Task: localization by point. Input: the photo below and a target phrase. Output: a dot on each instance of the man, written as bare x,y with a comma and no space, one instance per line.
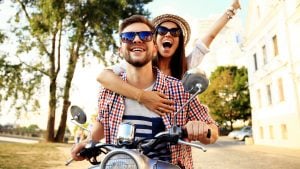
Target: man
138,49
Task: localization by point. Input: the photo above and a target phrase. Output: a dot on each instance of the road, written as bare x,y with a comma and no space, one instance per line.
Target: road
18,140
227,153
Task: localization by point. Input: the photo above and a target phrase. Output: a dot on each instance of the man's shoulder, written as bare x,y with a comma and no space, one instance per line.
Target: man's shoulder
172,79
168,78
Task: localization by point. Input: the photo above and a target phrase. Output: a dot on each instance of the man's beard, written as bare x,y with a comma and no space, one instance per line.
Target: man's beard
139,63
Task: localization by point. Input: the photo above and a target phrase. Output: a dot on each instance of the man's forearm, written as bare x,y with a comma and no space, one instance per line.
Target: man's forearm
98,131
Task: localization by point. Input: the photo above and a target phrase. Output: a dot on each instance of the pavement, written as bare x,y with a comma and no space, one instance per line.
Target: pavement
18,140
227,153
224,154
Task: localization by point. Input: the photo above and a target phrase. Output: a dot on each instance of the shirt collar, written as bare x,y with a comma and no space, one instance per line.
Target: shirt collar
160,81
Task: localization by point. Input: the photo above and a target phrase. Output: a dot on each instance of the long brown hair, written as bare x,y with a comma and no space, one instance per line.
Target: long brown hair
178,63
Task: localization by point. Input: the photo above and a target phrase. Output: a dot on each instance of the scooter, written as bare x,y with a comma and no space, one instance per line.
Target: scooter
129,153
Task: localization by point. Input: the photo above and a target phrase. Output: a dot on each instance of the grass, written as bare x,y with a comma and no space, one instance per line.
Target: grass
30,156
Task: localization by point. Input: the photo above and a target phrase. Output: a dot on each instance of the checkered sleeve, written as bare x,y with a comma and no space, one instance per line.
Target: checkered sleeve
101,100
198,111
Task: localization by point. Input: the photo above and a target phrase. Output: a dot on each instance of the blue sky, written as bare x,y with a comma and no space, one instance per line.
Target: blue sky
193,8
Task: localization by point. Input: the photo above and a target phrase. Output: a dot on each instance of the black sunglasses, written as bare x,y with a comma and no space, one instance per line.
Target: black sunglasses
175,32
128,37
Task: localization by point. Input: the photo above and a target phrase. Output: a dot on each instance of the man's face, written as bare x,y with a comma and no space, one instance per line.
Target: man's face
139,51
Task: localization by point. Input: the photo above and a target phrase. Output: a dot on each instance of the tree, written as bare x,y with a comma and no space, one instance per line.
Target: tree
70,30
228,95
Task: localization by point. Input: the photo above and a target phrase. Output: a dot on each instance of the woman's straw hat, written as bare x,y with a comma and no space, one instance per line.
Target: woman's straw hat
182,23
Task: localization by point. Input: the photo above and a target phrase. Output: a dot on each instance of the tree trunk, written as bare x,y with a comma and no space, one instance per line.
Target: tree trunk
63,121
67,103
51,114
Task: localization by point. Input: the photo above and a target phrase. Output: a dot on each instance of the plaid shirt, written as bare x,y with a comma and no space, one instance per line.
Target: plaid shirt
112,107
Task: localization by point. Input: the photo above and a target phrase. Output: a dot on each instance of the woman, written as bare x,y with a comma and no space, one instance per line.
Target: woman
171,35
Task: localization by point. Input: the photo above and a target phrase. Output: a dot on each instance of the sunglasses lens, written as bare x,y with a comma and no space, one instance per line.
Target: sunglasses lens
175,32
145,36
128,37
163,31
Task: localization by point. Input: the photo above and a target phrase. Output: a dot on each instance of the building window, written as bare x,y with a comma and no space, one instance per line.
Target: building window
284,133
258,12
275,45
269,93
271,132
280,90
264,53
255,62
258,98
261,132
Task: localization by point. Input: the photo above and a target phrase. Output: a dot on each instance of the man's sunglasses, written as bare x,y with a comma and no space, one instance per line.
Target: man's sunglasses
175,32
128,37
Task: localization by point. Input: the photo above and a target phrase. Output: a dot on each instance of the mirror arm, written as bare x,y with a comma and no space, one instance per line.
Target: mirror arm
190,99
82,128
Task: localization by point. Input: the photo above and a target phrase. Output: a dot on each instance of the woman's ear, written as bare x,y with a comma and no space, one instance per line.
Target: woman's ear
155,50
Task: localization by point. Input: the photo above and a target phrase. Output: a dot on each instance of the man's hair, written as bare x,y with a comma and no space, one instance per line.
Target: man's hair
135,19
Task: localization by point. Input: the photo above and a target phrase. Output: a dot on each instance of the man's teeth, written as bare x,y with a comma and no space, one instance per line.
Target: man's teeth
137,49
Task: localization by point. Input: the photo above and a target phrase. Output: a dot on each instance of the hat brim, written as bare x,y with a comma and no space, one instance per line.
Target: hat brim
182,23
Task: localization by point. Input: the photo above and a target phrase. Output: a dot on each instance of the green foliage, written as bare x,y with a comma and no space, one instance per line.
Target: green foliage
227,95
17,86
2,37
50,31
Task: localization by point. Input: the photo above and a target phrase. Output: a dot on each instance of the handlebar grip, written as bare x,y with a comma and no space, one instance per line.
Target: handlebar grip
208,133
185,134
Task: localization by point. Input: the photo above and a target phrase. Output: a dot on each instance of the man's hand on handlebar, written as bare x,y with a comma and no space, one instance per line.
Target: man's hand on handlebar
76,150
197,131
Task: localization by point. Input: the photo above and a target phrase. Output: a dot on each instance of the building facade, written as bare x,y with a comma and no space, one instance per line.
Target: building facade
272,48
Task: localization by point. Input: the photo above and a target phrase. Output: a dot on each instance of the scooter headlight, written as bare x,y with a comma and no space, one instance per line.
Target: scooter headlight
119,160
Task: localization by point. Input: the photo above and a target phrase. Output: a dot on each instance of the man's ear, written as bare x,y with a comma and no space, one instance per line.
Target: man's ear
120,52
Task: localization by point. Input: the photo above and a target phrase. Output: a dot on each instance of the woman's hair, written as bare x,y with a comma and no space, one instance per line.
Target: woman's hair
178,63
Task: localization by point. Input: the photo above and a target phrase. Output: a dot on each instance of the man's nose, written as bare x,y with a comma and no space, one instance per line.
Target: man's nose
137,39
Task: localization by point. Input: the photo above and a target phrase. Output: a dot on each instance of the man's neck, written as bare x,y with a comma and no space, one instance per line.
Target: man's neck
140,77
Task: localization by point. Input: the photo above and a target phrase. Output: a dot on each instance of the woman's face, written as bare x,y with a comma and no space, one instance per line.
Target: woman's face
167,44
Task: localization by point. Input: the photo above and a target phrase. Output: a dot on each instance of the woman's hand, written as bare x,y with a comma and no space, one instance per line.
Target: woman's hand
157,102
236,4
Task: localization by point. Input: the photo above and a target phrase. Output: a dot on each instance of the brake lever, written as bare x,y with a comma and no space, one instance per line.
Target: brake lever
192,144
69,161
185,135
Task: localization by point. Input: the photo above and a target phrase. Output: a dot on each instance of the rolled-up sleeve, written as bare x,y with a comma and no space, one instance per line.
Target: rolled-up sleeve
197,55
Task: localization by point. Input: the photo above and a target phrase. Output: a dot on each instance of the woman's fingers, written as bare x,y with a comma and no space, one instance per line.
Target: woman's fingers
157,102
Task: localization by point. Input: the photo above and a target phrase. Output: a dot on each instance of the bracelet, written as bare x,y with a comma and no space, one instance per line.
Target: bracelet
139,95
230,12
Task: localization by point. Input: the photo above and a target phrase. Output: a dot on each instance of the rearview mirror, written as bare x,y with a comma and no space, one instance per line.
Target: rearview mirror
195,81
78,114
